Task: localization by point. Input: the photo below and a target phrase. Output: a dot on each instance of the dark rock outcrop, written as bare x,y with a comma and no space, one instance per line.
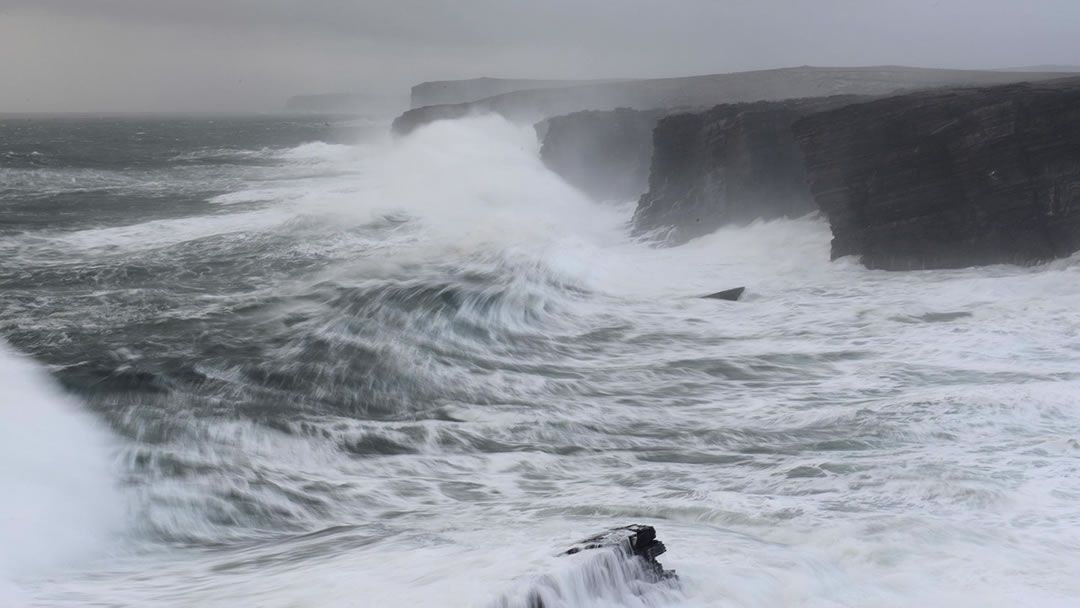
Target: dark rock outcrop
623,569
950,178
731,164
730,295
417,117
531,106
604,154
635,541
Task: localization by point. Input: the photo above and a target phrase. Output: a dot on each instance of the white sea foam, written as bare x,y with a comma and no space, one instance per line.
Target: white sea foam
320,152
155,234
60,501
480,181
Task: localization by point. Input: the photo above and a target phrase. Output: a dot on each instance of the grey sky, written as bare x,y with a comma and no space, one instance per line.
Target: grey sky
191,55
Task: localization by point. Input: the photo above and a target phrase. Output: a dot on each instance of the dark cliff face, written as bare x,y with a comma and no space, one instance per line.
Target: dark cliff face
946,179
731,164
604,154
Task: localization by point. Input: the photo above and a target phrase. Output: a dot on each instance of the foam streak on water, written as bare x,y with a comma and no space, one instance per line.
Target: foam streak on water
411,372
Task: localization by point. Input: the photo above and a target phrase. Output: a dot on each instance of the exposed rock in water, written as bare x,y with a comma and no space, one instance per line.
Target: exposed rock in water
633,541
731,164
604,154
953,178
621,567
731,295
534,105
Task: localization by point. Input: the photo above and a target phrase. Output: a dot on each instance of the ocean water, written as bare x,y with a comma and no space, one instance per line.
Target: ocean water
290,362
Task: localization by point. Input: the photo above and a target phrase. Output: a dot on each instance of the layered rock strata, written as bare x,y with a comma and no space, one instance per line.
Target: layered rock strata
950,178
732,164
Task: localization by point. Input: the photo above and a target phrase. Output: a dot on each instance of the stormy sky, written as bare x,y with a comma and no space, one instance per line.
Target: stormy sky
250,55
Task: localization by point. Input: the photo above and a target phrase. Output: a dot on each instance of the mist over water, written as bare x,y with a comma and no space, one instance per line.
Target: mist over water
354,371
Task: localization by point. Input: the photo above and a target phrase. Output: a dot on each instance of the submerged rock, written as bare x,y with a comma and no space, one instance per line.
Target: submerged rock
950,178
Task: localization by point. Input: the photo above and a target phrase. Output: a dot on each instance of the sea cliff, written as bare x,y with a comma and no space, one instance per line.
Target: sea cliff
537,104
731,164
950,178
607,154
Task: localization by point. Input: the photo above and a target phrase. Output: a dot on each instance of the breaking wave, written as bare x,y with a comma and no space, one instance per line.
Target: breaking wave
60,501
392,372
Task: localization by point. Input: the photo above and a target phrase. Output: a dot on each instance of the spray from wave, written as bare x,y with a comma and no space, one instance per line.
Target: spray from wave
60,502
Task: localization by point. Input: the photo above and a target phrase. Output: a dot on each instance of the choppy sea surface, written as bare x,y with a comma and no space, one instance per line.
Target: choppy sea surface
293,362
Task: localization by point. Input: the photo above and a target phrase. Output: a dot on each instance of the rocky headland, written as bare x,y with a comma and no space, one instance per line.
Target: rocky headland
940,178
701,92
950,178
913,168
605,154
733,164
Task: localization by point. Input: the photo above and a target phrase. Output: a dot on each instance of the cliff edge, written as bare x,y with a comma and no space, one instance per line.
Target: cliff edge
952,178
732,164
442,92
706,91
606,155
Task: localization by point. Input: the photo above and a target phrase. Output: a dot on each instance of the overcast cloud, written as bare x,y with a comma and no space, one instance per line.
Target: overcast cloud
236,55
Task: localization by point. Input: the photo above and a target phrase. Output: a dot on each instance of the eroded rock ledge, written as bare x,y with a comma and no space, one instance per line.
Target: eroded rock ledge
953,178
